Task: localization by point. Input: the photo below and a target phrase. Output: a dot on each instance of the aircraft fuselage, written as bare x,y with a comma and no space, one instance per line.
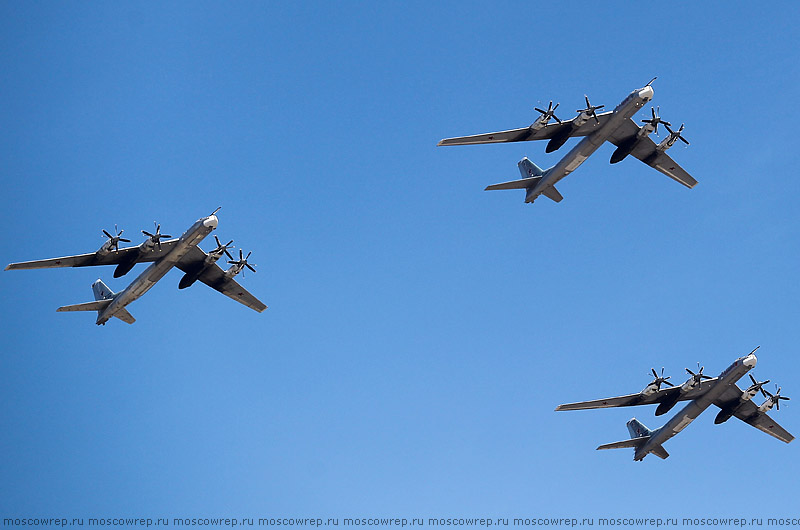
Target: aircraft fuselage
590,143
696,407
148,278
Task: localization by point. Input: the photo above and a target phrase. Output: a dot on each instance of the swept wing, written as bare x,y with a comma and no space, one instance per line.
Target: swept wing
748,412
646,151
667,394
114,257
526,134
214,277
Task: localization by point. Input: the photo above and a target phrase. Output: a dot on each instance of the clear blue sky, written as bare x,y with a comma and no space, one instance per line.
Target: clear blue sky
420,330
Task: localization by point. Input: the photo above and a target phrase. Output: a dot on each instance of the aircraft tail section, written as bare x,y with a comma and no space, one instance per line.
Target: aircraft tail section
532,176
103,296
640,435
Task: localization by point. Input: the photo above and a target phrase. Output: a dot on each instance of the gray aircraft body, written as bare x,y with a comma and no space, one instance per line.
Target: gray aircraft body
701,391
181,252
615,126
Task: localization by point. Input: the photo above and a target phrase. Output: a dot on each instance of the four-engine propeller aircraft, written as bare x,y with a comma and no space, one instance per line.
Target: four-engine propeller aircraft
702,391
616,127
182,253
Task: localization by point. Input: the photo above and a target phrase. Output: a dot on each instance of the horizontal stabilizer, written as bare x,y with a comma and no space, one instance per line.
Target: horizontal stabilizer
633,442
660,452
552,193
123,315
97,305
515,184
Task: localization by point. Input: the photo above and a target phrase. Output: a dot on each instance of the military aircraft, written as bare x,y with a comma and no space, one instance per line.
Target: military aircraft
616,127
702,391
182,253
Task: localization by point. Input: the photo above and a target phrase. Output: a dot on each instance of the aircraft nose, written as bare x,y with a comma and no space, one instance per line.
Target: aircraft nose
211,221
646,93
750,361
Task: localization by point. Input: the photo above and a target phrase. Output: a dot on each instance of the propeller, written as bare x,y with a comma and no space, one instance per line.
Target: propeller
757,386
222,248
590,110
699,376
550,112
651,81
660,379
156,238
242,262
676,135
777,397
656,119
116,239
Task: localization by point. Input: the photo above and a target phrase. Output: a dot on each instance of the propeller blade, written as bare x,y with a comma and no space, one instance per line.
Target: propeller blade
123,239
537,109
109,236
249,267
227,253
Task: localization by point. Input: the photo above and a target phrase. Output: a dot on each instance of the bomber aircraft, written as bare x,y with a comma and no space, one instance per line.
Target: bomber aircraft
616,127
701,391
181,252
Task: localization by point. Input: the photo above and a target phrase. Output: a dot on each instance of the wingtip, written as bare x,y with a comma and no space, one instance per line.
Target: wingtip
441,142
8,267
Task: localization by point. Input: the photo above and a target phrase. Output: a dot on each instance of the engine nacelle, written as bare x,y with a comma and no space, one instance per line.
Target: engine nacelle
723,416
666,406
767,405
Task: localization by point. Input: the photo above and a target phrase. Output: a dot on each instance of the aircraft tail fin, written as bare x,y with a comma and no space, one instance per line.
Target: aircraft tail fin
637,428
529,169
101,291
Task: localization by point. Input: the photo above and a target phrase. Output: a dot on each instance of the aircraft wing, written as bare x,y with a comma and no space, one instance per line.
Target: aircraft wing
214,277
525,133
85,260
748,412
667,394
646,151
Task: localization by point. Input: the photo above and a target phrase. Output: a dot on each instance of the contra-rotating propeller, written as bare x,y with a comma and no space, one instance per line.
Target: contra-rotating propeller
757,385
116,239
242,261
549,113
659,380
222,248
699,376
156,238
656,119
676,135
777,397
590,110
